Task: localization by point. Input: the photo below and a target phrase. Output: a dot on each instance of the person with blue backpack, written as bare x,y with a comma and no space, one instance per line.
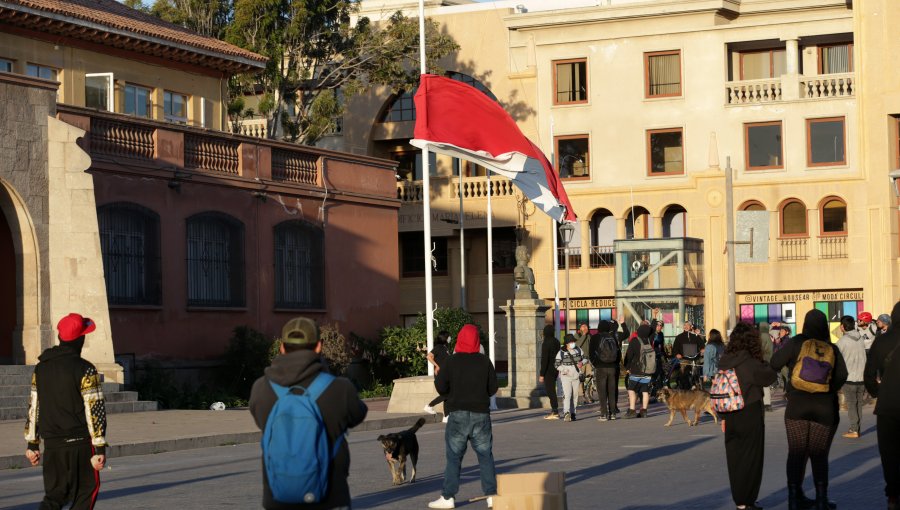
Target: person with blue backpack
304,413
737,393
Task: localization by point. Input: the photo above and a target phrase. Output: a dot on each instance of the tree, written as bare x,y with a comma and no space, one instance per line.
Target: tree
317,54
206,17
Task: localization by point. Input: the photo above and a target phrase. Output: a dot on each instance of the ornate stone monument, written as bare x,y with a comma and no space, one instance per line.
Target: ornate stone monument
525,319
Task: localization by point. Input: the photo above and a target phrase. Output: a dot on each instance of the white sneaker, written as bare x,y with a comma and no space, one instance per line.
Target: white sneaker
490,502
446,418
430,410
442,503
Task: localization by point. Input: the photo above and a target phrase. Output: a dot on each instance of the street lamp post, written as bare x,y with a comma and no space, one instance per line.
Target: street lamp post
566,231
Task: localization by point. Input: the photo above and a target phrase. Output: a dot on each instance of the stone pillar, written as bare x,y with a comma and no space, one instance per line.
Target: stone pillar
790,81
525,319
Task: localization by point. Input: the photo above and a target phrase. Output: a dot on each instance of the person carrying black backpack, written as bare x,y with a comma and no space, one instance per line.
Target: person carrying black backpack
605,355
640,361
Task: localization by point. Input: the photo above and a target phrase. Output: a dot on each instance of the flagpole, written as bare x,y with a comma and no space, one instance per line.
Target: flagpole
426,208
462,240
555,223
490,303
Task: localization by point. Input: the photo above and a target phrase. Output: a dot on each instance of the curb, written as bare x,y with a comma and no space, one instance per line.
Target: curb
215,440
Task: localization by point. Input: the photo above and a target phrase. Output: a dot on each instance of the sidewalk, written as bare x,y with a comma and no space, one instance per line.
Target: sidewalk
165,431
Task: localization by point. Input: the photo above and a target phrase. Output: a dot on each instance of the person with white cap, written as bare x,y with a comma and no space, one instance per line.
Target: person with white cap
68,412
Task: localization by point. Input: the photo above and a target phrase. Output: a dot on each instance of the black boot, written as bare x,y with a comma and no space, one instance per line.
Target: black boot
822,502
795,493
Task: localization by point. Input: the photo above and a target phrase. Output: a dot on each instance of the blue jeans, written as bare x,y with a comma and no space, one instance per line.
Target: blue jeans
462,427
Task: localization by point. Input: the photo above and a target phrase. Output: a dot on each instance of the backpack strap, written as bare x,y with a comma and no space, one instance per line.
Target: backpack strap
319,385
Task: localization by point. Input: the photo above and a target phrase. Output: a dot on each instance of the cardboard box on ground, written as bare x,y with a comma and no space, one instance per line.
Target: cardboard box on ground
531,491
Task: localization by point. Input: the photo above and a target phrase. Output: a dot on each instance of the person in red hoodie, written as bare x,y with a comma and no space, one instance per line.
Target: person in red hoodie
468,381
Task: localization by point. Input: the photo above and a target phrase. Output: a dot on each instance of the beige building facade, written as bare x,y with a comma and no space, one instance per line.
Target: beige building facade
644,105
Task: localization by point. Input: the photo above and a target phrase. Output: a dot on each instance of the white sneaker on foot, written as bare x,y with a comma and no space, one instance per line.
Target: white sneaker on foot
442,503
490,502
446,418
430,410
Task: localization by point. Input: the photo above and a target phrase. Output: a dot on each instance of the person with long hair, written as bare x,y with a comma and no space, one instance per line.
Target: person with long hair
810,419
745,429
715,347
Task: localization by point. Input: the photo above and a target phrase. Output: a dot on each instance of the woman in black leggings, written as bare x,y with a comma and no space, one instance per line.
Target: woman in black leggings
745,429
811,419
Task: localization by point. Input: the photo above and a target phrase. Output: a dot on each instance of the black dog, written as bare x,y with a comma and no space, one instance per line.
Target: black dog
397,447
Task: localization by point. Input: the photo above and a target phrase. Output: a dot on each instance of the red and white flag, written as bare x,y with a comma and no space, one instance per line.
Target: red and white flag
458,120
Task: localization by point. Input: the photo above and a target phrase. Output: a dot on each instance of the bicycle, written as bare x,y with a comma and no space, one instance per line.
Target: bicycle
589,389
690,373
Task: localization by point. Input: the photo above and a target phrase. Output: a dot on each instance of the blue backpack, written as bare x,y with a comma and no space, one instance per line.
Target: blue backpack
295,444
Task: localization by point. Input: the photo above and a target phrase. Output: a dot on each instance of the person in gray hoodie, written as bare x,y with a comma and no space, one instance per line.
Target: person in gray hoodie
853,349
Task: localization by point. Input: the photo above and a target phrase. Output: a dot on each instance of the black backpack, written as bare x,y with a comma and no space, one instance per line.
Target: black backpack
608,350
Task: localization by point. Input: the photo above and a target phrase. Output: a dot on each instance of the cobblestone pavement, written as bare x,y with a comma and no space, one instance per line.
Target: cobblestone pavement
626,464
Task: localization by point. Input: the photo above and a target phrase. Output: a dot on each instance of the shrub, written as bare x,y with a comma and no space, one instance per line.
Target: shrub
334,348
245,359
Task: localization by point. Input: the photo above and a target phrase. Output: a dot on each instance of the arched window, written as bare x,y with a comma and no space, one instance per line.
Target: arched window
129,245
793,219
834,216
674,222
637,224
299,266
403,108
603,235
752,205
215,260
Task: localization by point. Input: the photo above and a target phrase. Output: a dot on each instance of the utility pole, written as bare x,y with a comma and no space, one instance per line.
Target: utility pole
729,241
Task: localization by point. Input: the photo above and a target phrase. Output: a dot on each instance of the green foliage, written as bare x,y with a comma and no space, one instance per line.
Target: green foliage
377,390
315,50
206,17
244,361
450,320
157,383
404,349
334,348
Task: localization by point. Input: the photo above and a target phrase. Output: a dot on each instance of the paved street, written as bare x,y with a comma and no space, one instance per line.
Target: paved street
633,464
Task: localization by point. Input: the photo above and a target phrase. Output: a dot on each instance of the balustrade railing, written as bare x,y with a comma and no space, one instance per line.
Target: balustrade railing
291,166
754,91
256,128
827,86
833,247
574,254
211,154
477,187
409,191
122,140
793,249
602,256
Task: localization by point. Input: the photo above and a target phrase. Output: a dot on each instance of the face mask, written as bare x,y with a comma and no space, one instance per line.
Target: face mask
571,346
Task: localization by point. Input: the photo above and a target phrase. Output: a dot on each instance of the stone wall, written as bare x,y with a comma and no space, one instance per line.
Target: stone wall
48,201
26,104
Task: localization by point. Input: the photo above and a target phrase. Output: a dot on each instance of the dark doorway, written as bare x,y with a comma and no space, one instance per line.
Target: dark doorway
7,291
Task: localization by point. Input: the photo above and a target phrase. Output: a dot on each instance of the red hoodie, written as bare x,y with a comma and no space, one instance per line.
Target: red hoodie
467,340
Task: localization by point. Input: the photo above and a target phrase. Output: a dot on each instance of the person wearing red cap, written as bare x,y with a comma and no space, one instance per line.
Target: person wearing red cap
867,330
68,412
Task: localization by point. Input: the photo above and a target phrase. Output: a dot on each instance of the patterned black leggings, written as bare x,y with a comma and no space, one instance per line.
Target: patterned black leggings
808,440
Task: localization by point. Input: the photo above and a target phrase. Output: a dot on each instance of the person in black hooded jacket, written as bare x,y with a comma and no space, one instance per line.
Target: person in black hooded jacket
810,419
298,365
745,429
605,372
549,350
882,380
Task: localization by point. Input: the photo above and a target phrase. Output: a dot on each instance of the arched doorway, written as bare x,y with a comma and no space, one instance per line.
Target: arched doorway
8,306
20,323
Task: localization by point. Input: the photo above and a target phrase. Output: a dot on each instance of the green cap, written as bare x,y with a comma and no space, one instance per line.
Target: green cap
300,331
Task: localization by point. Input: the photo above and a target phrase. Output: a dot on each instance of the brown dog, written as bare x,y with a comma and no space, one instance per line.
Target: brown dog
683,400
398,446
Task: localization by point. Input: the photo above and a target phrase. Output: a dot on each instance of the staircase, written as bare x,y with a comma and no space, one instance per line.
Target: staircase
15,389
